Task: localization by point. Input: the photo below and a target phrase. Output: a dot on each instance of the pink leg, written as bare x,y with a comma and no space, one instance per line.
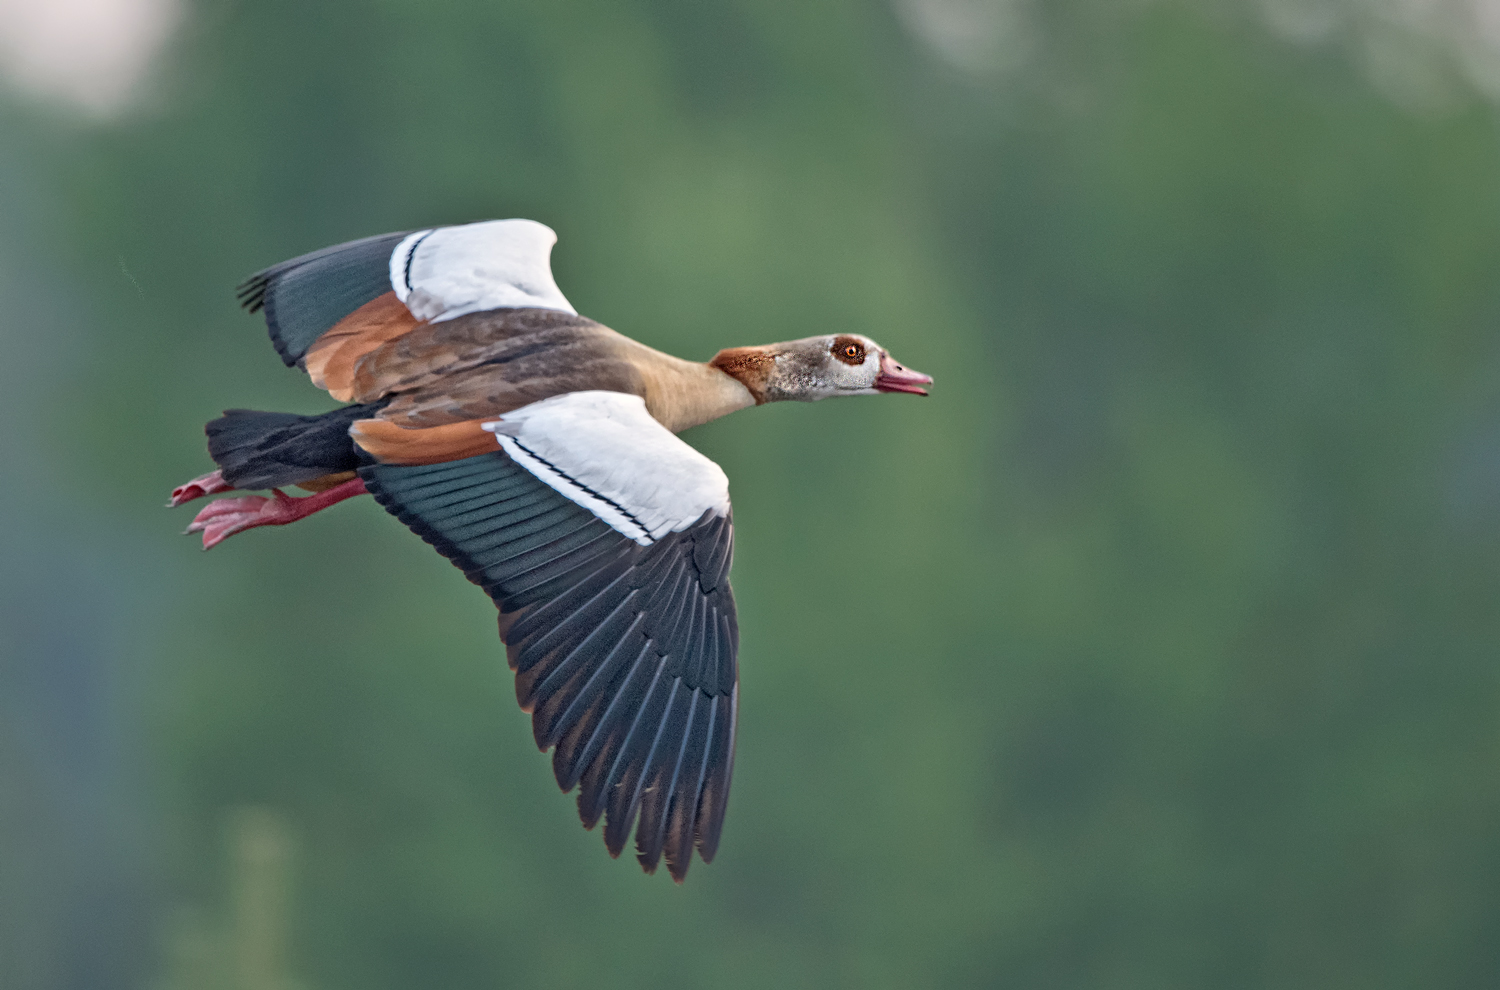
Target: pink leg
224,517
210,484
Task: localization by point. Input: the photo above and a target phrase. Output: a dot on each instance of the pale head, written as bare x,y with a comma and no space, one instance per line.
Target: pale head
817,368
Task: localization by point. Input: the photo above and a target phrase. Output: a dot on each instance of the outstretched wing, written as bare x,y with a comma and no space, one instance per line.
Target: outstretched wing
326,308
606,543
303,298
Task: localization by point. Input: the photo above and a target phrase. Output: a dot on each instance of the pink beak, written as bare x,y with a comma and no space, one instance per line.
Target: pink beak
896,377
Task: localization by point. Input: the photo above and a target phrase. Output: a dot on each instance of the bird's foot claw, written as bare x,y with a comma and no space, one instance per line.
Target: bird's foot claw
209,484
222,518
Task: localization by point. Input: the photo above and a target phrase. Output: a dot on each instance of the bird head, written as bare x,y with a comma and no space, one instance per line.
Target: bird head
819,367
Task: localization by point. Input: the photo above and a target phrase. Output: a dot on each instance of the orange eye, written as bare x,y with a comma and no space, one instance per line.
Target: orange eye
850,350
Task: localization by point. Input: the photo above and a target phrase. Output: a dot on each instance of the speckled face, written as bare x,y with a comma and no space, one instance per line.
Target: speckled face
819,367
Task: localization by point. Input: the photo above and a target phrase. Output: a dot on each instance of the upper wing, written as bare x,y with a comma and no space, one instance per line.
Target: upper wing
368,291
606,543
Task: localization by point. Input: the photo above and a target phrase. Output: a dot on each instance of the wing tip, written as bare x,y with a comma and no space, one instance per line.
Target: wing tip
251,293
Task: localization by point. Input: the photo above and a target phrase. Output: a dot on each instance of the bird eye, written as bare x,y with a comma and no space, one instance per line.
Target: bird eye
849,350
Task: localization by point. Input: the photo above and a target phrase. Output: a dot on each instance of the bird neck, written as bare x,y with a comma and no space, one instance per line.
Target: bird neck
681,394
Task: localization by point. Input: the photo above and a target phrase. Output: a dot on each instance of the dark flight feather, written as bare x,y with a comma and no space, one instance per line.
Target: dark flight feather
718,768
624,654
678,832
658,782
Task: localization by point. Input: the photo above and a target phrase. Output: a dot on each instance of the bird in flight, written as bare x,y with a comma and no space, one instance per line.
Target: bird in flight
537,450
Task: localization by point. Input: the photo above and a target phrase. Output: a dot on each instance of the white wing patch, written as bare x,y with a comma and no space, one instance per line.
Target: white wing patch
498,264
604,451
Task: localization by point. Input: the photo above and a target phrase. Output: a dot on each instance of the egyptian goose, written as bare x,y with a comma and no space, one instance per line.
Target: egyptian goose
537,450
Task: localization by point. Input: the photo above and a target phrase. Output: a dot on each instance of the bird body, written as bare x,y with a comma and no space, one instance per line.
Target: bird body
536,449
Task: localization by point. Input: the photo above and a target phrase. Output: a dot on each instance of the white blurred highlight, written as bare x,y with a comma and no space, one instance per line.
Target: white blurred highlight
1422,54
979,36
93,54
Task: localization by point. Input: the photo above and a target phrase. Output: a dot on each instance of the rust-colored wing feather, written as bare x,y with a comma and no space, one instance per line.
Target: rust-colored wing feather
331,360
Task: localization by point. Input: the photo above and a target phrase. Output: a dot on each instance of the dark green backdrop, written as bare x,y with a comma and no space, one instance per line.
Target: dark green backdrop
1157,649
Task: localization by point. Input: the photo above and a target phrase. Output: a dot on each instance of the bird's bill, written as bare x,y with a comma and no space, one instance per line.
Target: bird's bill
896,377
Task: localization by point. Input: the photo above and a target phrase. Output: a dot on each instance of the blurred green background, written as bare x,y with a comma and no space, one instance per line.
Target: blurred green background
1158,649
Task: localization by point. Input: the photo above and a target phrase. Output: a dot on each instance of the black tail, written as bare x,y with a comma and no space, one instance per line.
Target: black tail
269,450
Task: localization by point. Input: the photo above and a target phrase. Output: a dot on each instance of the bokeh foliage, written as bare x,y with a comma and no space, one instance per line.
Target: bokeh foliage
1157,649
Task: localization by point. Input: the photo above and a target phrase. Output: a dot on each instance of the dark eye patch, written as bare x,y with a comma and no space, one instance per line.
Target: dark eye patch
850,350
